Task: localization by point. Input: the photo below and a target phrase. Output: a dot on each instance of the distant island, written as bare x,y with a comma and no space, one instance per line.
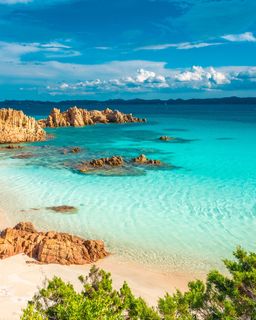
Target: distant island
45,107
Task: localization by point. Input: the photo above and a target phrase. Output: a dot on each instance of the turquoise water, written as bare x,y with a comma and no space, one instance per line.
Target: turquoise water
184,216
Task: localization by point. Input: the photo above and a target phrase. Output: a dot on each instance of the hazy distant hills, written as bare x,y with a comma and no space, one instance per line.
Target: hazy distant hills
44,107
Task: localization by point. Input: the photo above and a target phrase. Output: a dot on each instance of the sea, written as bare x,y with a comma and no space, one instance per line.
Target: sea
186,215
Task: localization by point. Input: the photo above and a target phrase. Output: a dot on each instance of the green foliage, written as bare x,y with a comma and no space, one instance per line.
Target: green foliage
221,297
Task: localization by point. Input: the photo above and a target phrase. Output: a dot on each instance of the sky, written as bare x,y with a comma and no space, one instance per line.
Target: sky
107,49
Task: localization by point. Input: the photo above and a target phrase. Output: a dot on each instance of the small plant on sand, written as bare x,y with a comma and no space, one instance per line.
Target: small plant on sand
219,298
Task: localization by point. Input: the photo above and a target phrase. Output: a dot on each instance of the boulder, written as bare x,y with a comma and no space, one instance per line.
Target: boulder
142,159
16,127
49,247
78,117
102,163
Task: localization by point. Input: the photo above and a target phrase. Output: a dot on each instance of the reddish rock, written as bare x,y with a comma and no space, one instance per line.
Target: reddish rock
142,159
78,117
16,127
49,247
102,163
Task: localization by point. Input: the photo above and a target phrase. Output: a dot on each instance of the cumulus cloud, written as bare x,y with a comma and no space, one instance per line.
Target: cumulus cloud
199,77
247,36
196,78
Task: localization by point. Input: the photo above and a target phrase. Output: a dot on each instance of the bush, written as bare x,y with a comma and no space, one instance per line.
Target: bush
220,297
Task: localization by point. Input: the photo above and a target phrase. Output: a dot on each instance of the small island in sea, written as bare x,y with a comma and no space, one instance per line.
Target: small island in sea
127,160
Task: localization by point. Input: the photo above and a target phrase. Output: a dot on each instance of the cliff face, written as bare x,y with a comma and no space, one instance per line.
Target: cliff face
16,127
77,117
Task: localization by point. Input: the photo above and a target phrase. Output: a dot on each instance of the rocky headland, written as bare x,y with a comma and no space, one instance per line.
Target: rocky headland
16,127
49,247
78,117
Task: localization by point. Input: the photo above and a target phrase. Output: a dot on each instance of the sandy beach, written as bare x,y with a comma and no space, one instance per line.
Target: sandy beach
20,280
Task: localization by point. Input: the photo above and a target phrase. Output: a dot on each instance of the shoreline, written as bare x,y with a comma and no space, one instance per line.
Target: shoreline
20,280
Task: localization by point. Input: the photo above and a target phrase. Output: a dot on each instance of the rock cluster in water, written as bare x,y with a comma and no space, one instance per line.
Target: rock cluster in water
102,163
142,159
77,117
114,162
49,247
16,127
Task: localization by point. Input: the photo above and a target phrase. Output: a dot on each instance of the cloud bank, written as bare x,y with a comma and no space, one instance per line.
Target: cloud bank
196,78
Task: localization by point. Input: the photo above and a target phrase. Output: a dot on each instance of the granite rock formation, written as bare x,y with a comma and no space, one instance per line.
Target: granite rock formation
77,117
49,247
102,163
142,159
16,127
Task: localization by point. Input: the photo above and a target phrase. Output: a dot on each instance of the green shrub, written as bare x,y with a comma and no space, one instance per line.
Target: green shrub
219,298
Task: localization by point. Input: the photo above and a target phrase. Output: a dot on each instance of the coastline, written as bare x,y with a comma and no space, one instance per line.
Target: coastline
20,280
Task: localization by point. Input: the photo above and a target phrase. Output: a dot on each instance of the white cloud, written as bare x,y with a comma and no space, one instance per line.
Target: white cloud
247,36
14,51
180,46
195,78
199,77
189,45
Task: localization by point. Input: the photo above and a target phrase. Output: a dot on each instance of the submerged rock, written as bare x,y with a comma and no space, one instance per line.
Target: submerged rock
63,209
71,150
166,138
12,147
102,163
49,247
78,117
24,156
142,159
16,127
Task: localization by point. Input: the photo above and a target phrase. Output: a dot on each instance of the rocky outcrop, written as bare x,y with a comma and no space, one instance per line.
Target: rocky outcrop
49,247
102,163
77,117
142,159
16,127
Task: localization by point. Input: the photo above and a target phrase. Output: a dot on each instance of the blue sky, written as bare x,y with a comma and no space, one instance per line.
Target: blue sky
100,49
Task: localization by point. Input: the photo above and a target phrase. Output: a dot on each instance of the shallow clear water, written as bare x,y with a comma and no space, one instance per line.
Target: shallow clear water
184,217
